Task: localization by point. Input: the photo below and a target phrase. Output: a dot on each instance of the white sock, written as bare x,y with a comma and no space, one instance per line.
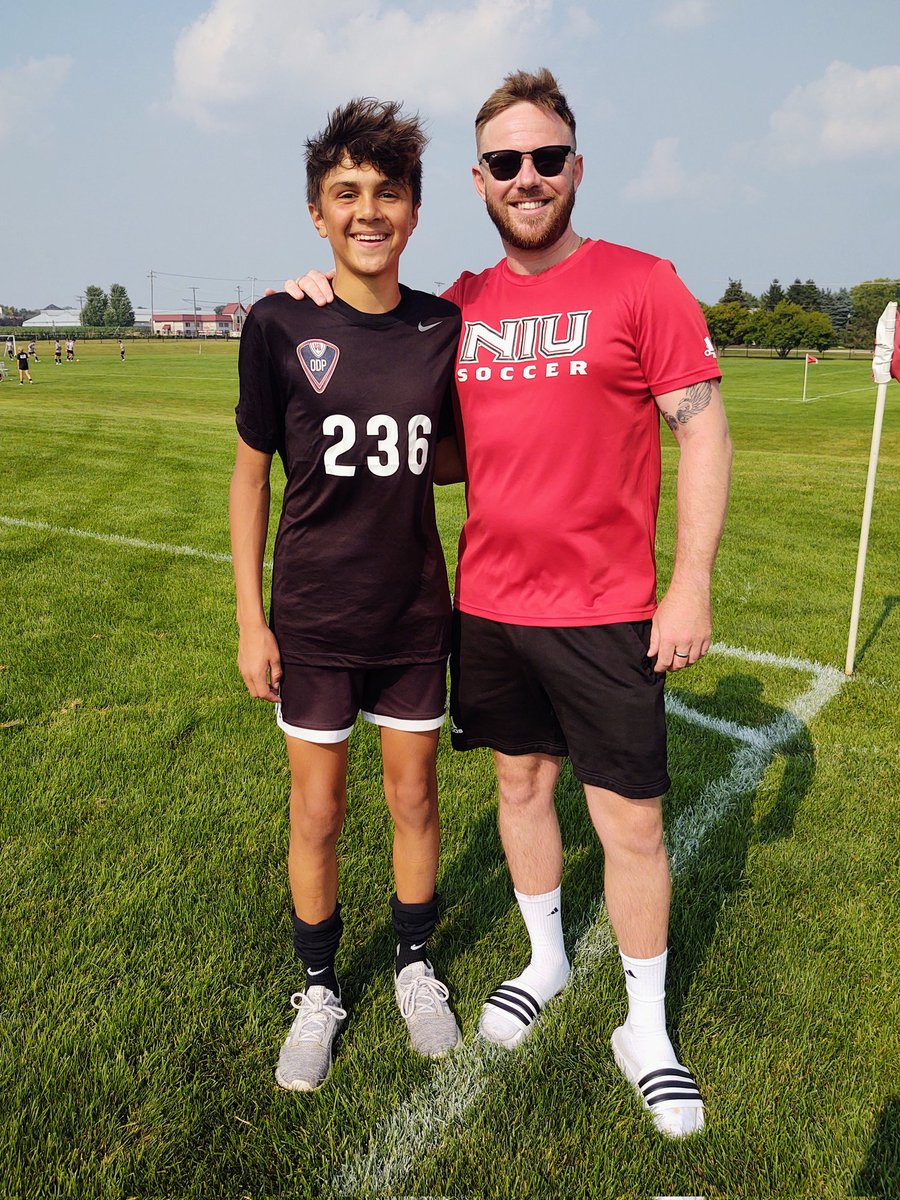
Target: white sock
645,982
544,976
548,969
642,1045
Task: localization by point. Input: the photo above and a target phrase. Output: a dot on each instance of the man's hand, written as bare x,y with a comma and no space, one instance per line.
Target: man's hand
682,627
314,285
259,662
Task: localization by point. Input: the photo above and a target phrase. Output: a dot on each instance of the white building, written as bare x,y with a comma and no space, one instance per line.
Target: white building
54,318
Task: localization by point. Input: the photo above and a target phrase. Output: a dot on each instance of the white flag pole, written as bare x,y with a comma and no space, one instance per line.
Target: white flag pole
882,361
864,533
805,373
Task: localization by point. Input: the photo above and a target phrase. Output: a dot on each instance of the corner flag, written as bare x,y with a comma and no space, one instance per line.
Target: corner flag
886,359
810,358
885,366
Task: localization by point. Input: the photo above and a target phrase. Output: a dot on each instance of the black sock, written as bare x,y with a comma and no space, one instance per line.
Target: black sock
413,924
316,946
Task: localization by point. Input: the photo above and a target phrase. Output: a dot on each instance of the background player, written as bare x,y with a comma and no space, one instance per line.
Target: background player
24,373
354,399
571,350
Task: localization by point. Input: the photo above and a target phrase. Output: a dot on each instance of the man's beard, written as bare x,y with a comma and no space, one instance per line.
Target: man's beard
542,236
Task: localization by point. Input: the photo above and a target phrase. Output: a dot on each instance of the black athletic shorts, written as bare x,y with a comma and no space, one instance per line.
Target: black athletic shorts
321,704
588,693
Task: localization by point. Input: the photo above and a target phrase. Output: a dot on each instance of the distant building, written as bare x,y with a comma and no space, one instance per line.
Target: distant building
227,323
53,317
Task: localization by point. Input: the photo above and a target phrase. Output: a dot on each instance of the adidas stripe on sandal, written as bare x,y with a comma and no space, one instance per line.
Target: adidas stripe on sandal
669,1093
509,1014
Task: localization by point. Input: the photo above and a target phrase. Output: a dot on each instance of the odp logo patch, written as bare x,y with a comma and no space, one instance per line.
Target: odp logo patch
318,360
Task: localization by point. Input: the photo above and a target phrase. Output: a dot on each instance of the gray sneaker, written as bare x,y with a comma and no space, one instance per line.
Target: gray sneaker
422,1001
305,1058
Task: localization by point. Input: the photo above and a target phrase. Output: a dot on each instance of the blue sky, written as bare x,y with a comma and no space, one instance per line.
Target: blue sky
739,139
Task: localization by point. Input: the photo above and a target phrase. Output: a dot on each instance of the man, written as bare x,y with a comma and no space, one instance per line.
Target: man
354,399
571,348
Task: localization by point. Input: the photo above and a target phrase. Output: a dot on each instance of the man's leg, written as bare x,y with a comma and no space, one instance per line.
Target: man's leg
638,891
529,831
318,805
410,788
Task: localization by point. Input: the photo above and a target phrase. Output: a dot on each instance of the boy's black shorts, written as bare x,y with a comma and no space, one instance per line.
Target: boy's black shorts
321,704
588,693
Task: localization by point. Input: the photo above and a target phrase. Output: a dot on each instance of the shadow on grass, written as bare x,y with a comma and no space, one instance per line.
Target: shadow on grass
715,869
890,603
880,1173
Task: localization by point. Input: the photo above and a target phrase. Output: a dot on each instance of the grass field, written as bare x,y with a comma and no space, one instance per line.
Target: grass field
145,961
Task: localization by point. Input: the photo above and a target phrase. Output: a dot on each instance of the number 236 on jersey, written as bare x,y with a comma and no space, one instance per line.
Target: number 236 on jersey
387,460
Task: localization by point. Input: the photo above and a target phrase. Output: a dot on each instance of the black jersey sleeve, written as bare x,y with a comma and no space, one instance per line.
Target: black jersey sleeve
260,411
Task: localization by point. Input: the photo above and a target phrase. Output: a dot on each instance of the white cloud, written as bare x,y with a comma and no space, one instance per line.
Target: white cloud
27,92
686,14
848,113
437,56
663,178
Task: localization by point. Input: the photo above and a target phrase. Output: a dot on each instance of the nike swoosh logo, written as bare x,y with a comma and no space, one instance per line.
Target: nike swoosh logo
322,972
425,328
419,947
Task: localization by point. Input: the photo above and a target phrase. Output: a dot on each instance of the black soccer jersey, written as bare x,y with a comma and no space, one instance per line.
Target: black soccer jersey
354,404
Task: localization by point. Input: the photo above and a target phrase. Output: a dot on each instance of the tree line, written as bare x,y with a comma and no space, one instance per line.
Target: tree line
802,314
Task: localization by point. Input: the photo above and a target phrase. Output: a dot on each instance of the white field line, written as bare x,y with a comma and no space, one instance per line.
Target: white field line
440,1105
118,539
822,395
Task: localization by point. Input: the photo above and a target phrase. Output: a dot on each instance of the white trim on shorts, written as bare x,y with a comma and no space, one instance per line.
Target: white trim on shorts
325,737
330,737
401,723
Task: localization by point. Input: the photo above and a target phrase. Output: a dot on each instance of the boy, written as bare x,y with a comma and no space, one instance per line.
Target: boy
355,399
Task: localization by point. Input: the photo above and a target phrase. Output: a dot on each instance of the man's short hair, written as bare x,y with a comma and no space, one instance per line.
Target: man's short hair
539,88
372,133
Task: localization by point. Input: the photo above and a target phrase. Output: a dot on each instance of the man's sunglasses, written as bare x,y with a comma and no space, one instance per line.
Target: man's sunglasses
506,164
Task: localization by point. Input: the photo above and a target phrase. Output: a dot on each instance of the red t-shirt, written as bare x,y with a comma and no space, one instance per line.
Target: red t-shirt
556,375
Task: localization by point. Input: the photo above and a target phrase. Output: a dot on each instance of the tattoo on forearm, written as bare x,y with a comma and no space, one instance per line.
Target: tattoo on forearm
696,398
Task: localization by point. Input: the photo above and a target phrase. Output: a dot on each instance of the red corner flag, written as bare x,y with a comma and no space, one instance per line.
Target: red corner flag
811,358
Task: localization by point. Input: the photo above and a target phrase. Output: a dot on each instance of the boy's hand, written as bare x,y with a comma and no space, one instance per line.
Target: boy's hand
259,662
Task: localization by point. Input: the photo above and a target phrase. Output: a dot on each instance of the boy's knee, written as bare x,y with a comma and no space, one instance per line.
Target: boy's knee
411,803
317,819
